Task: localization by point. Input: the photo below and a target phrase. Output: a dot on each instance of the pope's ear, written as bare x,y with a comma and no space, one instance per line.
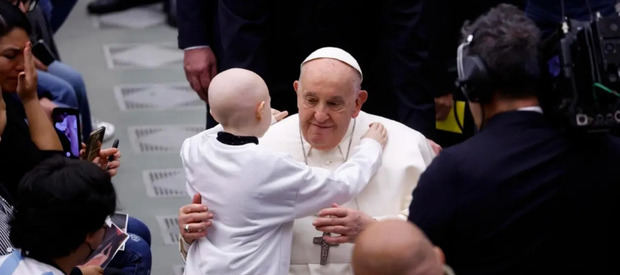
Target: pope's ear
362,96
296,85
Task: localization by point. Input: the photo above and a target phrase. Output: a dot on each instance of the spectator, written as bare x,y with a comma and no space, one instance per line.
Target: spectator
59,218
24,145
57,80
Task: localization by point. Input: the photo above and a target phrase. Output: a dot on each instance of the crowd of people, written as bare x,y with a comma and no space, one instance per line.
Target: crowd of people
50,229
355,180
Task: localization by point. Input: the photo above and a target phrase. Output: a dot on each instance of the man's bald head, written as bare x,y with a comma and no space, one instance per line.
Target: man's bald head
235,96
395,247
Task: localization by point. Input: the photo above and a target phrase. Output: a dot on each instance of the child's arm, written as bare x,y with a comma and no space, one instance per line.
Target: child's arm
321,188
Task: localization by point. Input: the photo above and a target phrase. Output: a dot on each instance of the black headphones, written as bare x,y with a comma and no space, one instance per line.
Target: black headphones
473,76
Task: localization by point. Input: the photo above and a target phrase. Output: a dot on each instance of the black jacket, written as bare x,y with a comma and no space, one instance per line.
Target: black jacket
521,197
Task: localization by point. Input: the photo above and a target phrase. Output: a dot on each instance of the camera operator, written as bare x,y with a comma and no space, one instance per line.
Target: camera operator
522,196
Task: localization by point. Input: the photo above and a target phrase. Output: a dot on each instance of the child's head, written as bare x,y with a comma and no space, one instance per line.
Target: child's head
240,102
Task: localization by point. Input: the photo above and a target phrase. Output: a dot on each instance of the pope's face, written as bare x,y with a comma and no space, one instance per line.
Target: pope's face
328,96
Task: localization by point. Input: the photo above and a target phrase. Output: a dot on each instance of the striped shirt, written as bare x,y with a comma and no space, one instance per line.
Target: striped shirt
16,264
5,214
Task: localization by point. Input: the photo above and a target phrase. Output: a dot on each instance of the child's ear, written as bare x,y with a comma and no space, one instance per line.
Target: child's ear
259,110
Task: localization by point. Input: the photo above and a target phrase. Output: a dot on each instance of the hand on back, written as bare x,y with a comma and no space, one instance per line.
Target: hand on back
194,220
377,132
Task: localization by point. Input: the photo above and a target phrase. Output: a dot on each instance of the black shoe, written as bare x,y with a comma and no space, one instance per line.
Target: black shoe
107,6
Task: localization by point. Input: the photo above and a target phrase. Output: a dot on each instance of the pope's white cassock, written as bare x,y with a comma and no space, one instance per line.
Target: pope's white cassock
388,194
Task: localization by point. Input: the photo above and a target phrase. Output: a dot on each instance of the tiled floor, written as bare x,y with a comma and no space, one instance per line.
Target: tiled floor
134,75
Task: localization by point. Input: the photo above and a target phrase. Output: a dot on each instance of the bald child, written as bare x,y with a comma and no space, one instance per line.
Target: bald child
256,194
396,247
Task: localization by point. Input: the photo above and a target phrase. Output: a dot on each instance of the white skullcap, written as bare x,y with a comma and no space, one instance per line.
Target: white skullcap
335,53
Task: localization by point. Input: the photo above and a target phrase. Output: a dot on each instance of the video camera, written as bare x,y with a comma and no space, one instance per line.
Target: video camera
585,74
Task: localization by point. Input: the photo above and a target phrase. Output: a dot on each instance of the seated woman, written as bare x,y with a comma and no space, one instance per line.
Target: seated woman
27,136
59,218
59,82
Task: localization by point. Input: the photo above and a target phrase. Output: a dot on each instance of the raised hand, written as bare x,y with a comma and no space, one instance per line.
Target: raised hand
27,80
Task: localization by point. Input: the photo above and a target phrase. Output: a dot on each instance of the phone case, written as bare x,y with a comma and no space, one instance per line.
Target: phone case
94,143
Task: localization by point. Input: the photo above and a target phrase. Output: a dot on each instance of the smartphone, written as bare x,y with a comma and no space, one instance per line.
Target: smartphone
67,124
42,52
93,145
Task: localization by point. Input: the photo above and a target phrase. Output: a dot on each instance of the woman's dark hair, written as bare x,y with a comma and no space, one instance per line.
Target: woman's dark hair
12,17
58,203
507,41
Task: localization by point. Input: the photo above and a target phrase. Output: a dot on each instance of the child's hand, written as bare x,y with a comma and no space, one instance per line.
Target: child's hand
277,115
377,132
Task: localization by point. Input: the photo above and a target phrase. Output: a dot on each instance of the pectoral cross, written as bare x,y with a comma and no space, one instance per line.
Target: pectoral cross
324,247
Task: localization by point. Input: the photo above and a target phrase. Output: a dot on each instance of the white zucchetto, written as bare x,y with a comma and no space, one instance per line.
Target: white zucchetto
335,53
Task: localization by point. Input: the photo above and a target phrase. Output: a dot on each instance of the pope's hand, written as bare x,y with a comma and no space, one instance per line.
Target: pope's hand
344,221
196,218
377,132
200,67
27,80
